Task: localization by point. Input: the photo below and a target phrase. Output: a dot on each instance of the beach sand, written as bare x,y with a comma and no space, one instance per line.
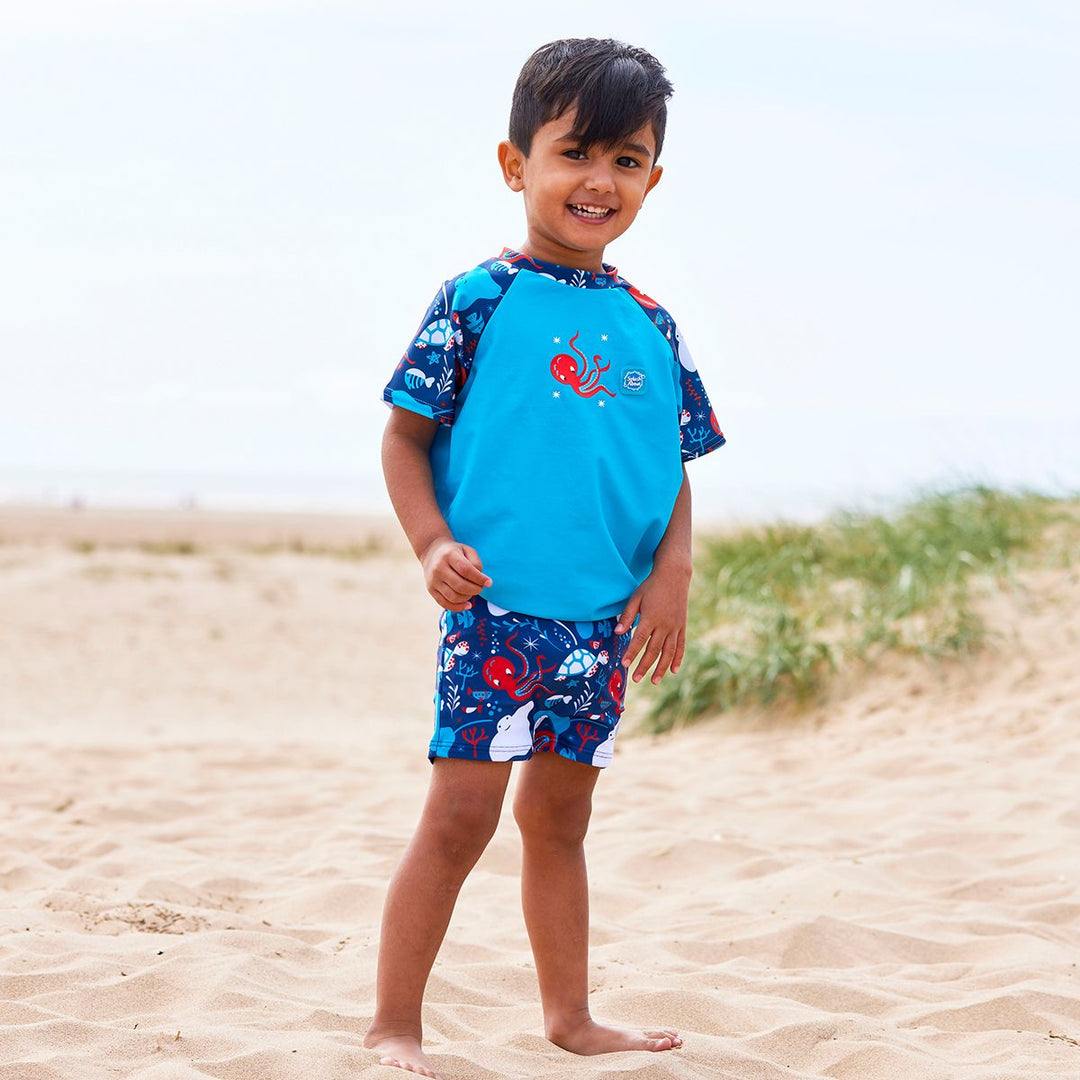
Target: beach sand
210,762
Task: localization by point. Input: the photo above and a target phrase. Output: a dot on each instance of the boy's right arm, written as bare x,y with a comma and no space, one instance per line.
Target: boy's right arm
453,572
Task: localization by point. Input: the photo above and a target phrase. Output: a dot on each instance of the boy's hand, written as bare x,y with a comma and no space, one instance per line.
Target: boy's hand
660,601
453,573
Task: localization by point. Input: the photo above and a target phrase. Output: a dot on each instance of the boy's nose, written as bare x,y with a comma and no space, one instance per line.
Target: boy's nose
601,177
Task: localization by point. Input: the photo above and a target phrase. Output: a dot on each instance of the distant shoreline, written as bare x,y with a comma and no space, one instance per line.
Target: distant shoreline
124,526
120,526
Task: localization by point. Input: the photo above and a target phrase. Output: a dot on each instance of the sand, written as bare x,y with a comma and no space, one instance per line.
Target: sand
210,763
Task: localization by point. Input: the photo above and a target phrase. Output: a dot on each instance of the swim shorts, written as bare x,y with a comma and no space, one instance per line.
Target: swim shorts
510,685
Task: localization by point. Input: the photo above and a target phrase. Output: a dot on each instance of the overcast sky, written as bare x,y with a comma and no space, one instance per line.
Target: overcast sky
220,221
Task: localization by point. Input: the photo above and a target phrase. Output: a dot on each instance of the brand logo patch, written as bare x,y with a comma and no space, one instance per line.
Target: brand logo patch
633,380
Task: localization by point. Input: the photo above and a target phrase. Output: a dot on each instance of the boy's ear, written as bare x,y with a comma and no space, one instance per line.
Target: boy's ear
654,179
512,163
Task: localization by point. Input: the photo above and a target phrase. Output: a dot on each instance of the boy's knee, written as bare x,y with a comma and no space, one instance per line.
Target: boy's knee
553,820
464,822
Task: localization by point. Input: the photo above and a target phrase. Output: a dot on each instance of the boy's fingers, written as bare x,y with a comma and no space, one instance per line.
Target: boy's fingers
470,567
626,617
465,571
462,587
451,605
461,592
679,650
637,643
667,654
650,654
447,595
456,575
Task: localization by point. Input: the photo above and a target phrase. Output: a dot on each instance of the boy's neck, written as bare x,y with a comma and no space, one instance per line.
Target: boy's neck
593,261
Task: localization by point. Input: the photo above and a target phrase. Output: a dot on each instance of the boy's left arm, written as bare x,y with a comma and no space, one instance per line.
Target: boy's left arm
661,598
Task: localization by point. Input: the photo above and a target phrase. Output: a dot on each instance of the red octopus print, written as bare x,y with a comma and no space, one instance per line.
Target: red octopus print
500,673
585,382
617,686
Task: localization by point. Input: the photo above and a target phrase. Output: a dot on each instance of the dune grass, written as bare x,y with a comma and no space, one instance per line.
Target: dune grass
774,612
354,552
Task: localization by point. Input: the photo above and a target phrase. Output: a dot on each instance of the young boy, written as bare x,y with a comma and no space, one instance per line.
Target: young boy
533,458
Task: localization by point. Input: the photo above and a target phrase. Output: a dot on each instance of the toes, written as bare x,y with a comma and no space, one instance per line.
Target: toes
666,1033
407,1066
662,1040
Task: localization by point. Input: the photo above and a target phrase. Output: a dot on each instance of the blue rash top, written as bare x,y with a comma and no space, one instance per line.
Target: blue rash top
566,402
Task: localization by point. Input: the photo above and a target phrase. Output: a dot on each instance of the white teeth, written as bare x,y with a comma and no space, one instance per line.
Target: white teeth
591,211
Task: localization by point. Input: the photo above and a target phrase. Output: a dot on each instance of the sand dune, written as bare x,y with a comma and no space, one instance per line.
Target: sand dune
209,764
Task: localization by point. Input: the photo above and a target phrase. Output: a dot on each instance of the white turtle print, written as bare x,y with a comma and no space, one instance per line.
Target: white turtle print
582,662
437,334
513,736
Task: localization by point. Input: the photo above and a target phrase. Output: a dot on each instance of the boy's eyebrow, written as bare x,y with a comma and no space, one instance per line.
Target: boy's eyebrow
638,148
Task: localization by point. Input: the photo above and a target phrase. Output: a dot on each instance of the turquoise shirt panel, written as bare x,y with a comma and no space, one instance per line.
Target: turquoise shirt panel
562,464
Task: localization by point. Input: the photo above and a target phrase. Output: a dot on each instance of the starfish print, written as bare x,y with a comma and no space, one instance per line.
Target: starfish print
701,416
603,337
554,393
557,340
532,643
601,403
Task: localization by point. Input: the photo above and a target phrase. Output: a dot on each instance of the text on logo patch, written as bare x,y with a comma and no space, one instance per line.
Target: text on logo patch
633,380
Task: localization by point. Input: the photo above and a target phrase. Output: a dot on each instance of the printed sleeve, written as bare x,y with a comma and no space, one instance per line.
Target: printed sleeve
699,433
427,376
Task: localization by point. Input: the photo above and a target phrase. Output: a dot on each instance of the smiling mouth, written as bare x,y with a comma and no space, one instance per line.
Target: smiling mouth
590,213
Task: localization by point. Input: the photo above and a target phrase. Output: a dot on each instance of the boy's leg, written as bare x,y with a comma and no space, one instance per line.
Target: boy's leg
552,808
458,819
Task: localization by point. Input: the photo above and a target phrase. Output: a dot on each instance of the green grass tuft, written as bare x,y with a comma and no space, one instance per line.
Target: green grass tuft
774,612
354,552
168,547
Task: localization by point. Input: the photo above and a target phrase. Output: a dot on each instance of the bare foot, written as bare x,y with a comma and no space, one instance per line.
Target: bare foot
589,1037
403,1052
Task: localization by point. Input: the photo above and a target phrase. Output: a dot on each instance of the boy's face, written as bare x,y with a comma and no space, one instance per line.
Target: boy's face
578,200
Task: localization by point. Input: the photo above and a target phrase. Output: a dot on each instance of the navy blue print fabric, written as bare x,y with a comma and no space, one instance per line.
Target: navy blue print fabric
511,685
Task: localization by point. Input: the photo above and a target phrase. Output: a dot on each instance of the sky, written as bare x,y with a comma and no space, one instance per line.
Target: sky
222,220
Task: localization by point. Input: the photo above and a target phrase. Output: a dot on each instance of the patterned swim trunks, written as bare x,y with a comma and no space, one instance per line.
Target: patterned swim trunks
511,685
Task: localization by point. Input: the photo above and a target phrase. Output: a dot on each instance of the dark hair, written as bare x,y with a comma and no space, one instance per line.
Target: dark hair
614,89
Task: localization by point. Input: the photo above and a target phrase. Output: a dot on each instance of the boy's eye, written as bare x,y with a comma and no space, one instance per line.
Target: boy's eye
629,162
575,154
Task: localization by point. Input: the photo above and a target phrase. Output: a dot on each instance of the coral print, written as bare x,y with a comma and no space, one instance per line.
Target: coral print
584,380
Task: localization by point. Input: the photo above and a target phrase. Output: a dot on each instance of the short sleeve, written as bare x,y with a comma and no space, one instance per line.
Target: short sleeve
427,376
699,433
